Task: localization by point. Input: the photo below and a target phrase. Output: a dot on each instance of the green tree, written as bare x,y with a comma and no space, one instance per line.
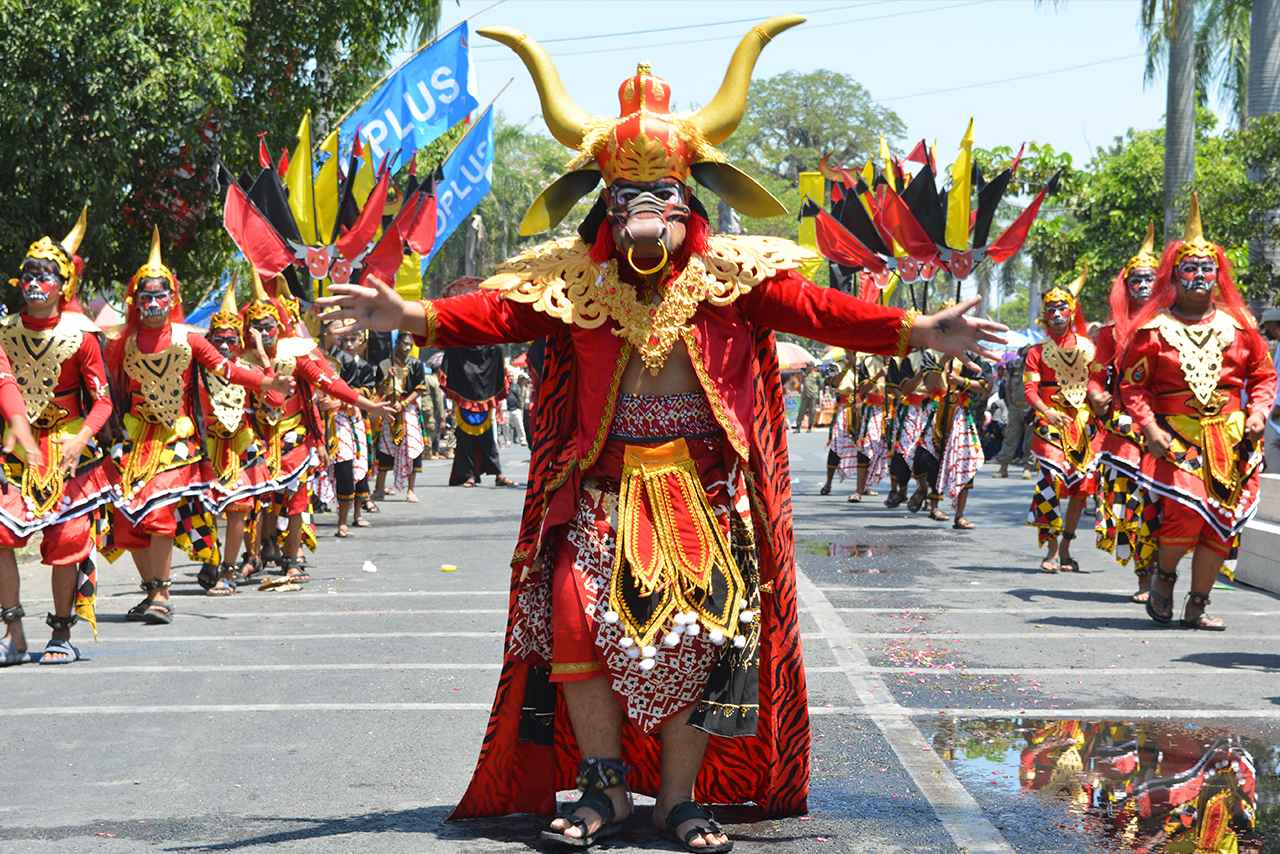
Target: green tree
129,111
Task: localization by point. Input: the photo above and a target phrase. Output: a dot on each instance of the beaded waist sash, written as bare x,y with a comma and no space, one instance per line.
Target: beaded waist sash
661,418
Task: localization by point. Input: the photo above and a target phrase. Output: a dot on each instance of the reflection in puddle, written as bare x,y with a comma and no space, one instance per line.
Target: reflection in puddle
842,548
1148,787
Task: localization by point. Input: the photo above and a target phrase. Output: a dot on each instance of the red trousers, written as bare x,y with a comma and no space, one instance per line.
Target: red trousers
66,543
1183,527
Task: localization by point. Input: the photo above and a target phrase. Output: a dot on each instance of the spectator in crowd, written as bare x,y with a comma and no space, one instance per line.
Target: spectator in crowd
810,395
1013,448
1271,331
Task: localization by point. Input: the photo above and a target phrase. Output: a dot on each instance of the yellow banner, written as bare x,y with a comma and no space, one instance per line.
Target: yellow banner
297,179
958,197
813,186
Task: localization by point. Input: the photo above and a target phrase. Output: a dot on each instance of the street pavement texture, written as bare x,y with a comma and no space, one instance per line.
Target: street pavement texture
347,718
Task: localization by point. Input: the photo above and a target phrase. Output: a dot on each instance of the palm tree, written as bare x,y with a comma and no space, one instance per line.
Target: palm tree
1174,22
1263,100
1222,54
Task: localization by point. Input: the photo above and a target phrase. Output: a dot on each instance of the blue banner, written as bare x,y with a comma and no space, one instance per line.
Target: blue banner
211,303
468,174
422,99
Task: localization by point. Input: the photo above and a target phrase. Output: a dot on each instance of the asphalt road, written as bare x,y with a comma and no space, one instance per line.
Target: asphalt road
348,717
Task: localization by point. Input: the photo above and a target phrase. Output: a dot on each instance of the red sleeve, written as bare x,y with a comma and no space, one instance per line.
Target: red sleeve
12,406
789,302
483,317
1135,377
1031,376
1104,354
211,360
1261,379
93,375
318,373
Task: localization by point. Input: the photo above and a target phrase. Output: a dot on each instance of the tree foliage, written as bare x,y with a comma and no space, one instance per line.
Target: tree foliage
129,108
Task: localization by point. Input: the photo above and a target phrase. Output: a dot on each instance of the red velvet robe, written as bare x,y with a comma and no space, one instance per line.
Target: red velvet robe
734,355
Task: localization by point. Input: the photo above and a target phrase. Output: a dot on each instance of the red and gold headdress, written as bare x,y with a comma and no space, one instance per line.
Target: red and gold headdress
1193,242
646,142
1070,294
227,318
262,305
154,269
63,254
1146,256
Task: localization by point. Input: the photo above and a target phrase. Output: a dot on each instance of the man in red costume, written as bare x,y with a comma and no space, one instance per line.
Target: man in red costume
1056,380
161,473
1199,383
653,641
294,433
1126,521
56,479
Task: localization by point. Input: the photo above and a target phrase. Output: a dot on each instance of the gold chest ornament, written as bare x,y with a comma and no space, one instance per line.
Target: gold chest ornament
1200,347
37,356
161,377
1071,365
560,279
283,364
227,401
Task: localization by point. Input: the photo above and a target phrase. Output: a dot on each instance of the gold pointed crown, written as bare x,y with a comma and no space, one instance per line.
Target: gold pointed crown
153,269
62,253
646,141
1068,294
261,306
227,318
1193,242
1146,257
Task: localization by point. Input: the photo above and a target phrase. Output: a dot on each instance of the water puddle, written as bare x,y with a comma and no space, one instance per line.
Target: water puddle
842,548
1119,786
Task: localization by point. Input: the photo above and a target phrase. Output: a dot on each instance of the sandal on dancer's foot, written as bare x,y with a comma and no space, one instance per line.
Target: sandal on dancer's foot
134,614
500,480
871,493
249,567
226,583
9,652
60,650
1070,564
595,778
158,614
916,502
938,516
1159,600
826,490
410,498
343,532
1196,604
362,523
962,524
1144,591
1050,566
854,499
705,825
207,576
294,571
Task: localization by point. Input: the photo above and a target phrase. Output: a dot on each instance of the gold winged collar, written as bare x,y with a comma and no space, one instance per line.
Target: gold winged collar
560,279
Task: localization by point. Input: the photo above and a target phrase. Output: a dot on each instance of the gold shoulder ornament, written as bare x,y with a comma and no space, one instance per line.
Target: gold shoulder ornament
559,278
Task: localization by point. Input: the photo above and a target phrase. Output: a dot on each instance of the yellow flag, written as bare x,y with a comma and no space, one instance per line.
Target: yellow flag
887,159
409,277
958,197
365,179
811,185
887,294
297,181
327,189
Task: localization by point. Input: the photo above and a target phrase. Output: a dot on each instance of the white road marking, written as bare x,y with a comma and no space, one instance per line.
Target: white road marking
280,636
1115,611
1035,672
117,670
955,807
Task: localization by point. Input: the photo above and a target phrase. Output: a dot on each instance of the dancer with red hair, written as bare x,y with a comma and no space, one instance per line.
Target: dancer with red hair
1056,381
161,471
1127,515
1199,383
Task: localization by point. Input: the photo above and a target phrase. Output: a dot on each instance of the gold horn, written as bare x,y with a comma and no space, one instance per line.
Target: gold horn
229,298
76,235
154,261
718,119
1078,285
565,119
1149,242
1195,231
259,290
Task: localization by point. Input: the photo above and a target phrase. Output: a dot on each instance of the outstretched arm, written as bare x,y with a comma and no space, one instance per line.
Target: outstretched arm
240,374
484,317
791,303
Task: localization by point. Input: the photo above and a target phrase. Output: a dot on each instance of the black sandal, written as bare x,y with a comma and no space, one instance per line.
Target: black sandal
595,776
226,582
1070,564
249,567
916,501
289,564
707,825
1201,622
1140,597
207,577
1160,605
134,614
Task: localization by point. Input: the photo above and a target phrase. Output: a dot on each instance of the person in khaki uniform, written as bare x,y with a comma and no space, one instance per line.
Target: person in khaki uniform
1015,425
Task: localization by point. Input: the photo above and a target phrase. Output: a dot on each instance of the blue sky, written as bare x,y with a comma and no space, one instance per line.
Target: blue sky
935,62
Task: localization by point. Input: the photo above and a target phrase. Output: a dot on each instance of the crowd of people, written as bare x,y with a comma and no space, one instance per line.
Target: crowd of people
223,442
1163,416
